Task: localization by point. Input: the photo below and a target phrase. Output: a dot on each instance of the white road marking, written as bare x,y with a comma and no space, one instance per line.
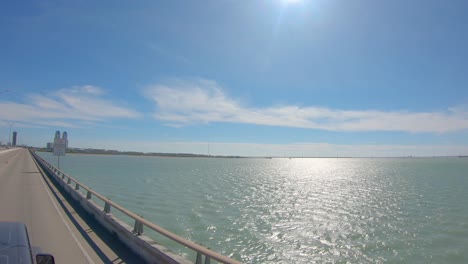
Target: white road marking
83,250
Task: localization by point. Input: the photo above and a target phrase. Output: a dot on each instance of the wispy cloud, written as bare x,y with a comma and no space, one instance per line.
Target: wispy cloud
204,101
167,53
69,107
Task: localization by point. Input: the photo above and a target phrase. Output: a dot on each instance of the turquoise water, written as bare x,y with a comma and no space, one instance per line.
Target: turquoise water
412,210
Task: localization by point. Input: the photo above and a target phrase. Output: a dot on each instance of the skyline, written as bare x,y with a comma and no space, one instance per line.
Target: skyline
247,78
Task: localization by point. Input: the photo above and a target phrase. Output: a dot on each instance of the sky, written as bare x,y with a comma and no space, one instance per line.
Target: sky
238,77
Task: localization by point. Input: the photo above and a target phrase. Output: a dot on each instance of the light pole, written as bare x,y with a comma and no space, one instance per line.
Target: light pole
10,123
7,91
9,139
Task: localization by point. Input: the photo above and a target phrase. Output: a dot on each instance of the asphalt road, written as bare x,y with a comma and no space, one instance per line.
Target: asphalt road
55,225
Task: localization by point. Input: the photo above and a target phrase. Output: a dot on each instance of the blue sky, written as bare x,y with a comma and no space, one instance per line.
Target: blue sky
270,77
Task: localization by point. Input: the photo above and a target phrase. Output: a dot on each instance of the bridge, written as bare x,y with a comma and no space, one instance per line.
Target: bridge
66,223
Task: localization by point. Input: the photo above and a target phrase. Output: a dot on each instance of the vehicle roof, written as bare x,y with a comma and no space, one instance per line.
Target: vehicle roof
14,243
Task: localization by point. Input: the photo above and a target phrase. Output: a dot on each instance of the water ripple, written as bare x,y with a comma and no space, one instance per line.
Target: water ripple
297,210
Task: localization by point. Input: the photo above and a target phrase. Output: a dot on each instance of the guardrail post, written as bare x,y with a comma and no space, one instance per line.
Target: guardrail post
88,195
107,208
207,260
69,181
63,176
77,186
138,228
199,258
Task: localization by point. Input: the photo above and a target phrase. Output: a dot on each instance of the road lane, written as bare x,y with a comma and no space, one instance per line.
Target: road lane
24,198
53,224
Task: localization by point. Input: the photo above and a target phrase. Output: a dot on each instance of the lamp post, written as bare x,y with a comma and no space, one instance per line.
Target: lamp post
9,139
7,91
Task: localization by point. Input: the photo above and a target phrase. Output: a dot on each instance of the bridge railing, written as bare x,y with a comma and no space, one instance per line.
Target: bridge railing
140,222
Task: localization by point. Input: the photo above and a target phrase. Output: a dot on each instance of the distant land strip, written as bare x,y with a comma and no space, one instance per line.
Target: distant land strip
191,155
135,153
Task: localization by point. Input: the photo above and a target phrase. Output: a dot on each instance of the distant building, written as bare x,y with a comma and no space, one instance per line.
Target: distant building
60,144
15,135
65,137
50,145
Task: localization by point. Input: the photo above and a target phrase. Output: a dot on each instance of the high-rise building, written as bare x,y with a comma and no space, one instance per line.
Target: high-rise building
60,144
15,135
65,137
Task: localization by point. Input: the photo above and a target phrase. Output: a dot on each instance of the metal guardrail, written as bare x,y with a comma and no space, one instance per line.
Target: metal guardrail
139,221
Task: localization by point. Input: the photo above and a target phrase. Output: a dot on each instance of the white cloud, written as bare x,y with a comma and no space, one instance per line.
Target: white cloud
66,108
86,89
203,101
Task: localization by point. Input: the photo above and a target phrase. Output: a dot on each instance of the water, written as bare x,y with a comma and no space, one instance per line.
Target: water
295,210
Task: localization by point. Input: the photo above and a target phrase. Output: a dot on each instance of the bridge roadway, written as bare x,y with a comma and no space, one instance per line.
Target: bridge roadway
54,225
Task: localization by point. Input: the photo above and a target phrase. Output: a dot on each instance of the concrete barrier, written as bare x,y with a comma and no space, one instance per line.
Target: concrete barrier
141,244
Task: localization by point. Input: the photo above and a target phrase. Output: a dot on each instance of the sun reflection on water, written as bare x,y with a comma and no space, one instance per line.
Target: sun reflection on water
296,210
